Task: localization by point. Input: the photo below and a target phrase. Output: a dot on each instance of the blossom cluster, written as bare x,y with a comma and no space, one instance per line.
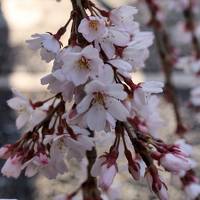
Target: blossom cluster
94,97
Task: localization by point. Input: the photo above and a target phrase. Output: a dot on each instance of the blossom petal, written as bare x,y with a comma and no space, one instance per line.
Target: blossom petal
84,104
116,109
96,117
21,120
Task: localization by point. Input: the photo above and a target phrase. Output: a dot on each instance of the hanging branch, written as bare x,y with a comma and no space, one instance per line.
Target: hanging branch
89,187
166,52
191,27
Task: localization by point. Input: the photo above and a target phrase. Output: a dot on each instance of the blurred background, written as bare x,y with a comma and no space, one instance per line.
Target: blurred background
20,68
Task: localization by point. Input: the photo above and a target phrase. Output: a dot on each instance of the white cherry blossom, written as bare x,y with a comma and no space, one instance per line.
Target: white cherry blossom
26,113
123,17
92,28
49,46
79,67
113,37
60,85
77,146
145,106
102,98
137,51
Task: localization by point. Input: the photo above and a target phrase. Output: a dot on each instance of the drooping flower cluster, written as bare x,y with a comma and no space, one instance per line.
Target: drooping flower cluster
92,80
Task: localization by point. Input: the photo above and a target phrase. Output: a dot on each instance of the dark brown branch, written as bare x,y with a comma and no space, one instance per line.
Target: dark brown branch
89,187
190,25
138,146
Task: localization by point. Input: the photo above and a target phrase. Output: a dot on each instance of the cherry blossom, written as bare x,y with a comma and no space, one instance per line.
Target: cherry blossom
102,98
184,146
12,167
176,162
144,106
26,111
97,107
157,186
106,169
136,51
49,46
92,28
123,17
80,66
114,37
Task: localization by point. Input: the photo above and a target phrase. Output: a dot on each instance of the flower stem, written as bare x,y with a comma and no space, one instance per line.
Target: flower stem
89,187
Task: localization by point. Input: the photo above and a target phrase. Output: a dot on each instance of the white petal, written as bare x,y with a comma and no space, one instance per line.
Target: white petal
118,37
108,48
58,74
116,90
86,142
22,120
90,52
78,76
46,55
116,109
51,44
47,79
84,104
106,74
152,86
121,64
31,170
17,103
94,86
96,117
34,44
96,168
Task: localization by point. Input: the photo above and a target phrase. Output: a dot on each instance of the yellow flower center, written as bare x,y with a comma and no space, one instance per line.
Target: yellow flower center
83,63
99,98
61,144
93,24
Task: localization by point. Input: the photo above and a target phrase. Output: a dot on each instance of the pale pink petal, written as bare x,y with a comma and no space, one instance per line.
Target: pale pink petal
121,64
116,91
12,167
116,109
84,104
22,119
96,168
107,176
96,117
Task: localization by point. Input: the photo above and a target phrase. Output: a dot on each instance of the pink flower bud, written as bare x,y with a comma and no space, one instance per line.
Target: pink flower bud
107,176
175,162
157,186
